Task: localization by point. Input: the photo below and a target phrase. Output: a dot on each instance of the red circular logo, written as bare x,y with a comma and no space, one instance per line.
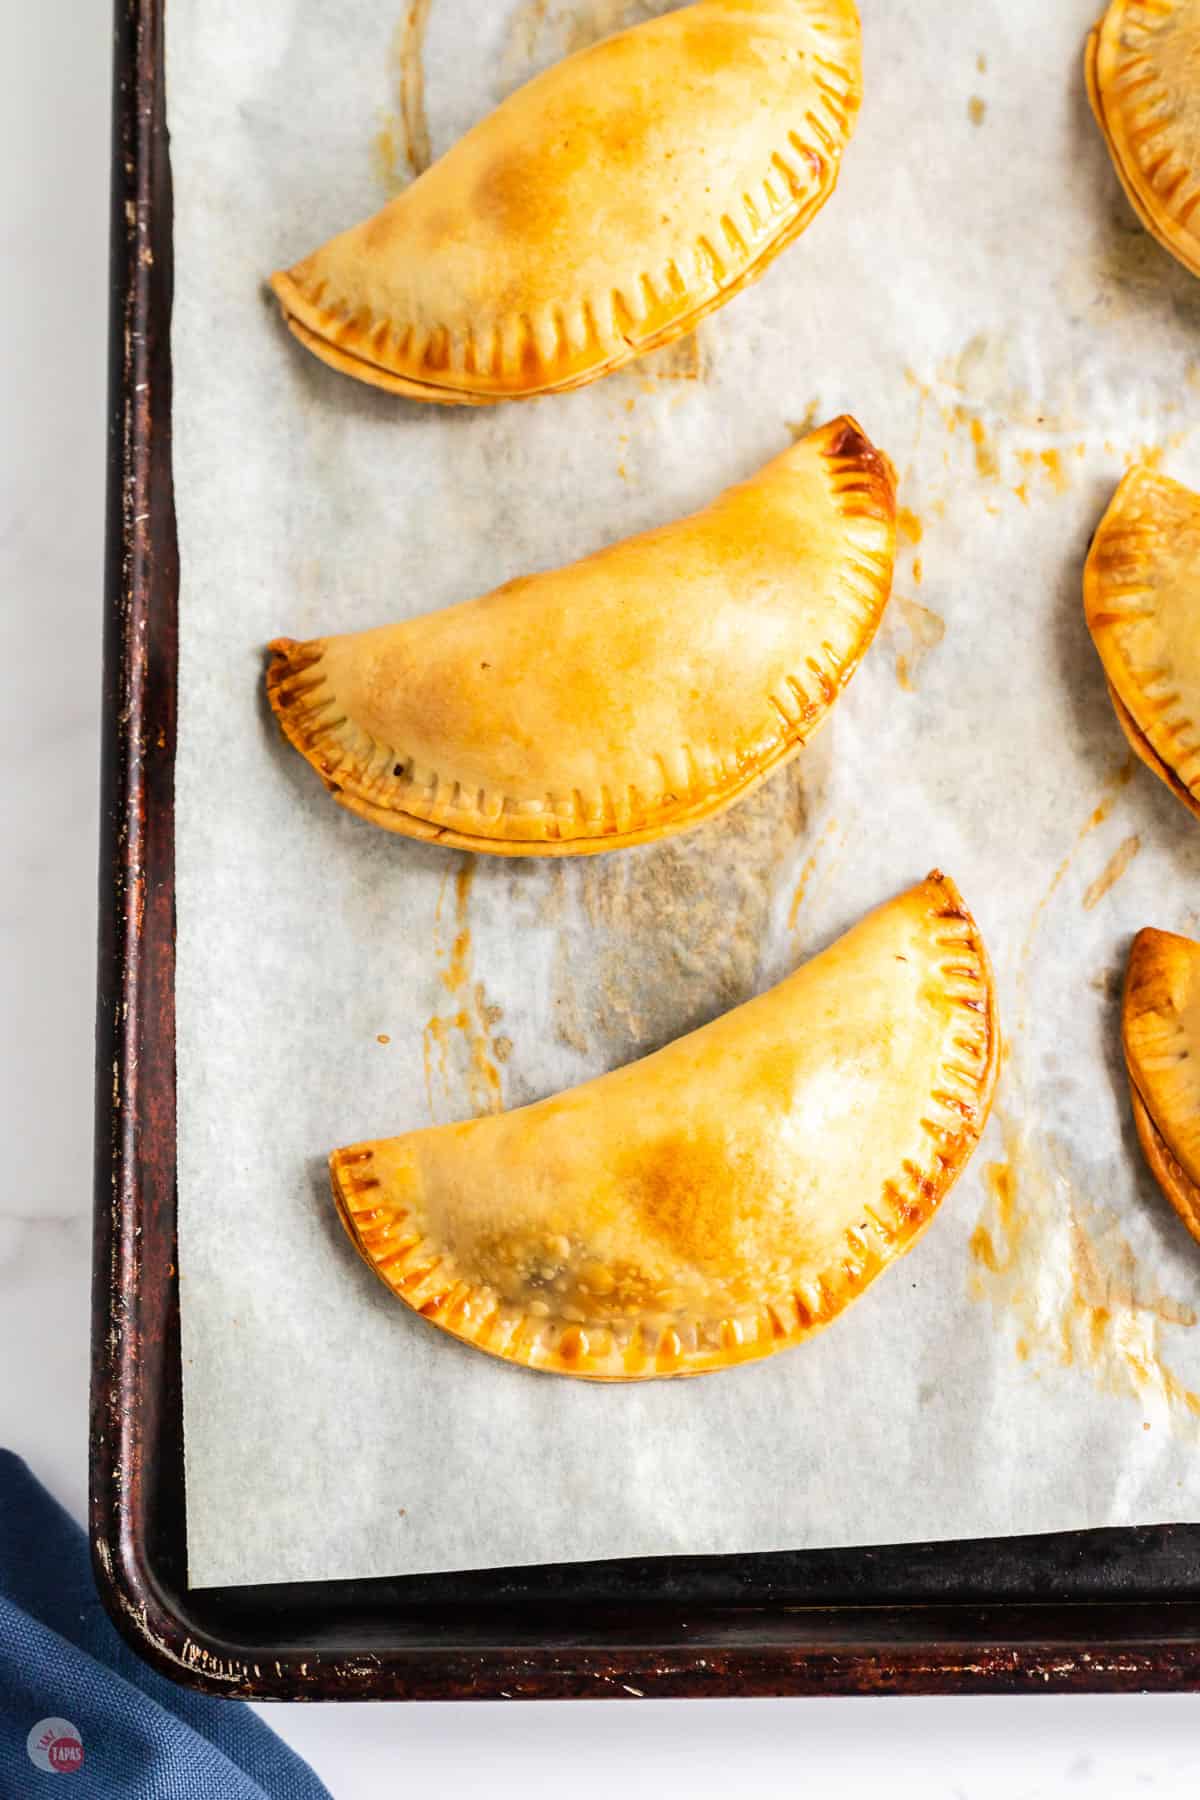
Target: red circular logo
55,1746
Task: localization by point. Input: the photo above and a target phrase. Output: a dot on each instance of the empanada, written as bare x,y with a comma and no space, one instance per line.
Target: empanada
1141,592
1160,1026
1142,60
621,698
720,1200
599,212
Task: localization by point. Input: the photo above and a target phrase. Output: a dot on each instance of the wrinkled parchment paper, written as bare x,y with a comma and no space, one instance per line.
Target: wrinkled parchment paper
980,296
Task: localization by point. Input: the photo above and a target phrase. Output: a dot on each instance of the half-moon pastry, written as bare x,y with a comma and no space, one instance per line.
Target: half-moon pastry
1141,66
1160,1027
624,697
720,1200
599,212
1141,594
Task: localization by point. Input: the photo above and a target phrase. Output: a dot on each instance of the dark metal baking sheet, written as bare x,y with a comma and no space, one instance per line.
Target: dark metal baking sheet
1108,1610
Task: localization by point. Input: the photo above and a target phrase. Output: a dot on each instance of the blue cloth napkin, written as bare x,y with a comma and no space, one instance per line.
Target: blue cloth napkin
76,1702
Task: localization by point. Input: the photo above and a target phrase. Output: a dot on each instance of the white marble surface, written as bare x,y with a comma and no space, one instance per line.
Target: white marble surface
54,96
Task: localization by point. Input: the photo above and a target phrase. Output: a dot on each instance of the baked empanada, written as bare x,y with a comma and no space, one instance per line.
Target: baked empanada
1142,61
1141,593
1160,1026
624,697
719,1200
599,212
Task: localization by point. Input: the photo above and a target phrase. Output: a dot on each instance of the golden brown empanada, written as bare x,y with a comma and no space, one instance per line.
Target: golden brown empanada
1142,60
1141,593
1160,1024
599,212
719,1200
624,697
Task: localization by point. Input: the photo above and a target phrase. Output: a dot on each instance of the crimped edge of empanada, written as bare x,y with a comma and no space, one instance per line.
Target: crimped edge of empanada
628,332
1155,1046
425,1277
592,335
371,779
1160,182
1146,753
1175,1183
1126,533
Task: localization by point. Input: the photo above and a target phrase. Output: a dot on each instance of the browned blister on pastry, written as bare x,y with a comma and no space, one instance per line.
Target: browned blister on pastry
624,697
599,212
720,1200
1141,590
1141,63
1160,1026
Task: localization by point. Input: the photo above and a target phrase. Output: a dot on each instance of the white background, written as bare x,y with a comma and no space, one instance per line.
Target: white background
54,136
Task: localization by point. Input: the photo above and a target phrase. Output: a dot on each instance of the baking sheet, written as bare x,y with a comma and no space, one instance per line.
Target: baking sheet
980,296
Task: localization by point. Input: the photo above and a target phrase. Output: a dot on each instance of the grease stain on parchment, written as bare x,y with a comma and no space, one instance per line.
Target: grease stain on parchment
686,359
400,147
800,428
1057,1271
653,942
976,110
1014,443
1108,798
461,1053
811,863
915,630
1048,1256
1127,275
909,528
1112,872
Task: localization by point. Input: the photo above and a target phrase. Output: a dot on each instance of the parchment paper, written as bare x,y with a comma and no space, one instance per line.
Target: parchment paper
980,296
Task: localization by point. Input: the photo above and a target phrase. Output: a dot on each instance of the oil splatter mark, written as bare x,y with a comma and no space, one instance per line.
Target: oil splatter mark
987,466
1112,872
524,29
460,1055
918,570
918,630
1052,463
800,428
976,110
400,147
410,56
383,1038
1058,1272
807,872
682,360
1108,799
908,525
981,63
